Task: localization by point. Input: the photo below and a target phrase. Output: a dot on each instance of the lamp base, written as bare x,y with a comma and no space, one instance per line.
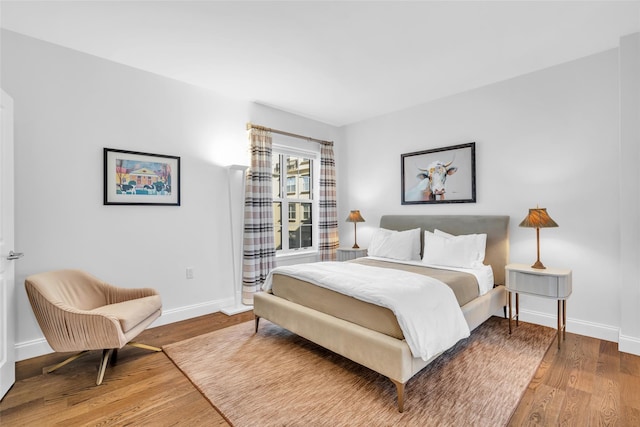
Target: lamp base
538,265
355,246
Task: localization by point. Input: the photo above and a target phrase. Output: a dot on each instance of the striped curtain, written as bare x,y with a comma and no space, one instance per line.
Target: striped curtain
259,248
328,227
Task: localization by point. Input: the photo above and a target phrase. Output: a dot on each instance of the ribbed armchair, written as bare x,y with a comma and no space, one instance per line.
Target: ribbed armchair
78,312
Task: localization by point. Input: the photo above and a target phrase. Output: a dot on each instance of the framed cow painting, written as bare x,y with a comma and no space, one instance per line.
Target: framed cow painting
440,175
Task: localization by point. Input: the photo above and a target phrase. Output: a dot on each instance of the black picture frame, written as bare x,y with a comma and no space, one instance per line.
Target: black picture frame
135,178
455,163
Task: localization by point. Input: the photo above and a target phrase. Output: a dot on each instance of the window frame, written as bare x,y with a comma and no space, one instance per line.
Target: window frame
285,198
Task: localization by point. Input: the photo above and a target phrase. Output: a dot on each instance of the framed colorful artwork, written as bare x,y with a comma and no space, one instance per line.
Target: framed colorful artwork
133,178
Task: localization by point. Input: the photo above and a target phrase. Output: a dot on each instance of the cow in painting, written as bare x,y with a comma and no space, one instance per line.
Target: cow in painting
432,182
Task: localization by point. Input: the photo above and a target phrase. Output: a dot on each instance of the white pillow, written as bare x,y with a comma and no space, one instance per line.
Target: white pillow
416,242
380,236
480,239
400,245
456,251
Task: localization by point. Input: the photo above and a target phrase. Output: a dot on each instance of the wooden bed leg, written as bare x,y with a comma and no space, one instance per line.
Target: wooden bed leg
400,392
257,322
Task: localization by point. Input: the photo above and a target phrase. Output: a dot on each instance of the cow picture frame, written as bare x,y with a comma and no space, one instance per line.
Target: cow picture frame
439,175
135,178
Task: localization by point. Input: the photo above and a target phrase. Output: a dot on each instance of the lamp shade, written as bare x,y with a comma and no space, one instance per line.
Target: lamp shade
354,216
538,218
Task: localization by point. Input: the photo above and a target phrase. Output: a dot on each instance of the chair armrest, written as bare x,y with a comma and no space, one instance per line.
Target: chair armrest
115,294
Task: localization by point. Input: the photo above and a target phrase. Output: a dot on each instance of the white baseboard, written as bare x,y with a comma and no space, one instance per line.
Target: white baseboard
628,344
32,348
236,309
575,326
188,312
39,346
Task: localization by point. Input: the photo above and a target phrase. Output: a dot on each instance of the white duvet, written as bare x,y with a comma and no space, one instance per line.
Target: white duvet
427,310
482,273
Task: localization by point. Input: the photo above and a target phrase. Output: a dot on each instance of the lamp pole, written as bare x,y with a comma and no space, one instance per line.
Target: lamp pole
538,264
355,236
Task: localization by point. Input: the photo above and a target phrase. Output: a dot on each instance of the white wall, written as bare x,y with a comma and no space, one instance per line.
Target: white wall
68,106
630,194
549,138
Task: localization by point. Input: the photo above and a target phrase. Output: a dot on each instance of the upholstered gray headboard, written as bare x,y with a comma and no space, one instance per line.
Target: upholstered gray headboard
495,226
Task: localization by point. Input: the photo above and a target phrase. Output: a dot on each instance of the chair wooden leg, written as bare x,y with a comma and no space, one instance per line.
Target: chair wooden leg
106,354
49,369
144,346
257,323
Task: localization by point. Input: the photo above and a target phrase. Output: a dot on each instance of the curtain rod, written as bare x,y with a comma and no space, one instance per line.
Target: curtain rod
281,132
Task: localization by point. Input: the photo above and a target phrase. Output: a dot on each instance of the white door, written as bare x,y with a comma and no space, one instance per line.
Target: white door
7,257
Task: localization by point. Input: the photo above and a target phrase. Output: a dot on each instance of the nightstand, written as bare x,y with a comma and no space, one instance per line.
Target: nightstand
552,283
345,254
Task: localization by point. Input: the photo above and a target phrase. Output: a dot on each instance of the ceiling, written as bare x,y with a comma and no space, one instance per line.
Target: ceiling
337,62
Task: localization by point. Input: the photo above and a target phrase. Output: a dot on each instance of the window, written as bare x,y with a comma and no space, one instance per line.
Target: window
305,184
306,211
293,187
291,184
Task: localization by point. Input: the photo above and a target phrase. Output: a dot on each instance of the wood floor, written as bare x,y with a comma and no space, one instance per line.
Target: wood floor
586,383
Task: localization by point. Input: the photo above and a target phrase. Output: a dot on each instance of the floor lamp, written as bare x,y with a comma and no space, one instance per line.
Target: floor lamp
236,174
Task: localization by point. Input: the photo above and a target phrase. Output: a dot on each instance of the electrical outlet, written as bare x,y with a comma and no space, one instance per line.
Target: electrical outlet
189,272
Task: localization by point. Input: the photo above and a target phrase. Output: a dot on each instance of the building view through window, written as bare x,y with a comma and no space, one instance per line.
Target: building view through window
293,194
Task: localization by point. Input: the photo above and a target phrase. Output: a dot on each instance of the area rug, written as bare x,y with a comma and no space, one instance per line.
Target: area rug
275,378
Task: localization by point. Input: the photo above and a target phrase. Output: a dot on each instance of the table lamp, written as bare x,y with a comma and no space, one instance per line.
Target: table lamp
355,218
538,218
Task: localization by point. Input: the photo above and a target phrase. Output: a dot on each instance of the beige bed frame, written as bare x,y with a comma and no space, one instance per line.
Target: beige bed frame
386,355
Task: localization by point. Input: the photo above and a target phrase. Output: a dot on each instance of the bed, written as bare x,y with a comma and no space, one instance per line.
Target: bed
369,335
